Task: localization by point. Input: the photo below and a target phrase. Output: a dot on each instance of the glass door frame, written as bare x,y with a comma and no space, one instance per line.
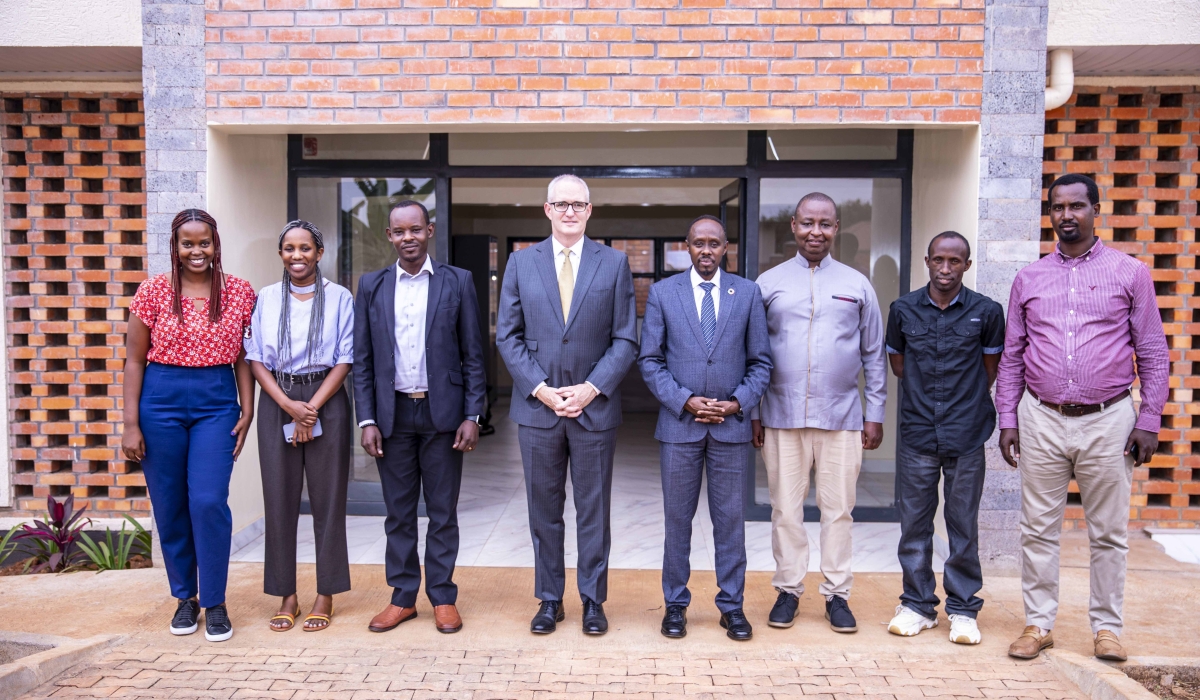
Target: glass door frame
757,166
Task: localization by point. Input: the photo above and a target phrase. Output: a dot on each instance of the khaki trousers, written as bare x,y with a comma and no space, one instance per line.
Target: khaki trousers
792,456
1092,447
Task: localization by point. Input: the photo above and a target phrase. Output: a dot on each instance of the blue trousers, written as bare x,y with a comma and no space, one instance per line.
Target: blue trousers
187,416
683,465
917,478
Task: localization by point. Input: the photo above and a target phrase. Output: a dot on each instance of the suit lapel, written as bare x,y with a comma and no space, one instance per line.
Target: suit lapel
588,264
387,298
687,301
728,298
436,282
544,260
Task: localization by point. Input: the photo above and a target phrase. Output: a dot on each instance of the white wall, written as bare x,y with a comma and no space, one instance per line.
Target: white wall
1123,22
945,193
247,195
70,23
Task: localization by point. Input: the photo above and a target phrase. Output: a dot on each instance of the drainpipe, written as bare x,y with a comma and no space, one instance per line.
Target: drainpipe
1062,78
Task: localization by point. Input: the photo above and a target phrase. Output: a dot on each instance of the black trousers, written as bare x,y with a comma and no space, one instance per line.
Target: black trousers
325,464
417,457
917,481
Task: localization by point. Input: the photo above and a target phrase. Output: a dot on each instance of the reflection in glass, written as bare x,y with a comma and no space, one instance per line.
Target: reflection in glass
869,241
640,252
676,257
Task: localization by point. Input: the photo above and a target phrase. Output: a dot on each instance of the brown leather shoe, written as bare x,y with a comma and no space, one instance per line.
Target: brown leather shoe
1030,643
1108,647
391,617
446,618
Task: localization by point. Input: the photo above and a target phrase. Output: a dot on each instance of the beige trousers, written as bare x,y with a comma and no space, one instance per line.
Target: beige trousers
792,456
1092,447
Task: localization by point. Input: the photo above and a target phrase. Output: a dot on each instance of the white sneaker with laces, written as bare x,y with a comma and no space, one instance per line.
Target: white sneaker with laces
964,630
909,622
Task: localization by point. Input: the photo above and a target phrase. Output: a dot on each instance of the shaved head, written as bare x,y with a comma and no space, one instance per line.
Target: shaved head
817,197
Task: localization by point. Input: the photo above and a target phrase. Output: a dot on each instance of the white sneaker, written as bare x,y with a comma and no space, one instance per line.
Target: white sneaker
909,622
964,630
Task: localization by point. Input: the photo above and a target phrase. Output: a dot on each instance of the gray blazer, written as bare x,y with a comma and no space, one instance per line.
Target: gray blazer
598,344
676,362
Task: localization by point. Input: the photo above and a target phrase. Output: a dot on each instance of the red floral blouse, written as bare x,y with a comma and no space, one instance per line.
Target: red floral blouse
194,341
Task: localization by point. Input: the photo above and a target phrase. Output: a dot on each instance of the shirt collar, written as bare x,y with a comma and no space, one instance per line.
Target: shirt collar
427,267
1094,250
825,261
697,279
576,249
929,299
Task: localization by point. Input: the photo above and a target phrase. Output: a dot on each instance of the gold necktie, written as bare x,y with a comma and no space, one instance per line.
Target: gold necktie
566,283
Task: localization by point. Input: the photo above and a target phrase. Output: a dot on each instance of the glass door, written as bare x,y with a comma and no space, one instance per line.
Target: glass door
868,240
352,212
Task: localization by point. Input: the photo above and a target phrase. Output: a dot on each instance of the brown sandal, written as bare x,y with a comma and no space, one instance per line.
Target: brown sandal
291,620
327,619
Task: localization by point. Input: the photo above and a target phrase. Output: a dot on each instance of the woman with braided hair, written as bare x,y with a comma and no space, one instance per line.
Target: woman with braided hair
300,349
189,401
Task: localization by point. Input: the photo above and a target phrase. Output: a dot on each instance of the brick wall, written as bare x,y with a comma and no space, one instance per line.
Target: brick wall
74,253
593,61
1140,146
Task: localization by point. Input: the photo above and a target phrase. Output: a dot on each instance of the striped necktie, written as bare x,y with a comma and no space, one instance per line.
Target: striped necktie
708,314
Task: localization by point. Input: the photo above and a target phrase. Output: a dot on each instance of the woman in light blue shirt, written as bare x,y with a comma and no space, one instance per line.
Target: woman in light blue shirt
300,348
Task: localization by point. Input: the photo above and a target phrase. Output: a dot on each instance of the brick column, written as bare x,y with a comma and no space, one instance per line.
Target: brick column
173,85
1010,170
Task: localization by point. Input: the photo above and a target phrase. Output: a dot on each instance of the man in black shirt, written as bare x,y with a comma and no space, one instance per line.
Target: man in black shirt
944,343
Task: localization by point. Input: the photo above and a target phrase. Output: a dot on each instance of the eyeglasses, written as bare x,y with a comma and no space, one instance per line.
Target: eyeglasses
577,206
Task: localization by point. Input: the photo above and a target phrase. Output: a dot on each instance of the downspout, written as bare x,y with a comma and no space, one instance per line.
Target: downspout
1062,78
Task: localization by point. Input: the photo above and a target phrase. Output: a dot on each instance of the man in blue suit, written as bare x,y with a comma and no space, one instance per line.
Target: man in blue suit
706,357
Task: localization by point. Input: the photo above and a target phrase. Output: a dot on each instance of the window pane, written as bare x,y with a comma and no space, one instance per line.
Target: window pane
675,257
831,144
365,146
868,240
641,292
640,252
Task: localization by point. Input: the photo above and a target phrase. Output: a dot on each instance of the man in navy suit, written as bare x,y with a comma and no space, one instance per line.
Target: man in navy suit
706,357
418,392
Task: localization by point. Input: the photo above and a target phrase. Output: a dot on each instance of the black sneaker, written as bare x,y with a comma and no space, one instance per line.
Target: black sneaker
186,614
783,613
217,627
837,611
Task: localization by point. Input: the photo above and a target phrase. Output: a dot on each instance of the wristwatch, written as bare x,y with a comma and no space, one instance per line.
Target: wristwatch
474,419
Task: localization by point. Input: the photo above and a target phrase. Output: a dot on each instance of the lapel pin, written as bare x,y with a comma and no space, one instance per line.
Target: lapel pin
731,291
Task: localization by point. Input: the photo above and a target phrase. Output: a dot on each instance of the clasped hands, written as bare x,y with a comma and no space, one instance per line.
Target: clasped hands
305,415
711,410
567,401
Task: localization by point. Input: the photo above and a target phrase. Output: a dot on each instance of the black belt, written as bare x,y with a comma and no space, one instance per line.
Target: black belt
310,378
1075,410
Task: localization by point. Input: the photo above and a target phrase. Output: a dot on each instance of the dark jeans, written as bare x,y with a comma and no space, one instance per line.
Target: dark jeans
917,481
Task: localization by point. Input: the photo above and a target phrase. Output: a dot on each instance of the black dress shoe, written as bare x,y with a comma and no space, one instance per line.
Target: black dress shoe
594,621
674,623
837,611
783,613
737,627
549,614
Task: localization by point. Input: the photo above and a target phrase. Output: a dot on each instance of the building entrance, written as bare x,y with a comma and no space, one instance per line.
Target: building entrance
484,210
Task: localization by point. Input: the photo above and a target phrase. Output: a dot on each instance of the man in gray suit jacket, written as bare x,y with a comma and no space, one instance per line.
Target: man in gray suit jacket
706,357
567,329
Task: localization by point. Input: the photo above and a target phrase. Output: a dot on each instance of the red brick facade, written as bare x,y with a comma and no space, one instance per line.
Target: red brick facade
594,61
74,252
1140,145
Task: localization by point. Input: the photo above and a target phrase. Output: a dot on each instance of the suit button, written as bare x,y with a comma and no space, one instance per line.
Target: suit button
710,362
564,341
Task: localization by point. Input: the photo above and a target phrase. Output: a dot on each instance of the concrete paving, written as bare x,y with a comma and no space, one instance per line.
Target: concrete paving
496,657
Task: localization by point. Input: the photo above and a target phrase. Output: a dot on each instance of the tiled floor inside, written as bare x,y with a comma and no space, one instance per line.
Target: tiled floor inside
494,524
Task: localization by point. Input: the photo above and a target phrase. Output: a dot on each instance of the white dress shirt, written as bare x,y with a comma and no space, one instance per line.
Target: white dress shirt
699,293
573,261
412,300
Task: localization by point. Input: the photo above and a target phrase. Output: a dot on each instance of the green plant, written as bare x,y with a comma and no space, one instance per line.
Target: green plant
8,543
113,555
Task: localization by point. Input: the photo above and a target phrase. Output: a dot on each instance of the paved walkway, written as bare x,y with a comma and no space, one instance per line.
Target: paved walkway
141,670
